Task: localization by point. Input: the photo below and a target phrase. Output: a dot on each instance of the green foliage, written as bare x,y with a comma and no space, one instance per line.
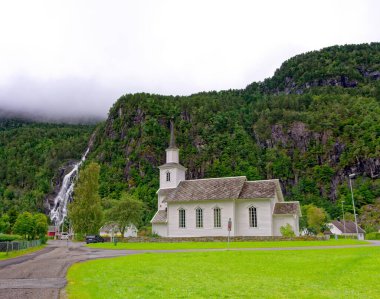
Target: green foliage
40,225
5,225
126,211
30,157
9,238
373,236
31,226
314,219
24,226
85,211
287,231
369,218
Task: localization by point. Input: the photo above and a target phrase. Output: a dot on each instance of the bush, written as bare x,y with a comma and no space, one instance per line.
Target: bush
5,237
287,231
144,231
43,239
373,236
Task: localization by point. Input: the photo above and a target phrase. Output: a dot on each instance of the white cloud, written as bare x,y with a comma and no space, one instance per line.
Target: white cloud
170,47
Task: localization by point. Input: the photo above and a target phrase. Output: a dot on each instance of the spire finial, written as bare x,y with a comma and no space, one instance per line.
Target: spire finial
172,137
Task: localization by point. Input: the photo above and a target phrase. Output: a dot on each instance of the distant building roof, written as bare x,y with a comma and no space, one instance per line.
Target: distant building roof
160,217
286,208
349,228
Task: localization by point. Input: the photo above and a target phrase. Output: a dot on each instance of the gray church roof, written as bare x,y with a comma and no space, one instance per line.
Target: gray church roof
258,189
160,217
290,207
221,188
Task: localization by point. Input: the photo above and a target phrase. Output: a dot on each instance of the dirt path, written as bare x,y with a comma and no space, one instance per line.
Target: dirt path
42,274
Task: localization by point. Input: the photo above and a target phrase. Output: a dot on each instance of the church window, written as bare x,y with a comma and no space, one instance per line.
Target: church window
252,217
217,217
182,218
199,218
168,176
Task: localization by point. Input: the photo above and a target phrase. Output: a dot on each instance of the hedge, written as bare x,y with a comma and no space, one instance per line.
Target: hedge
373,236
5,237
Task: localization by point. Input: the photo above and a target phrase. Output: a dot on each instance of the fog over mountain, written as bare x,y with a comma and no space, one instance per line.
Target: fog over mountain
68,100
69,59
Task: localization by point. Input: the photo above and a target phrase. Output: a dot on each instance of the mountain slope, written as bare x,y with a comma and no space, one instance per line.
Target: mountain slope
32,156
309,135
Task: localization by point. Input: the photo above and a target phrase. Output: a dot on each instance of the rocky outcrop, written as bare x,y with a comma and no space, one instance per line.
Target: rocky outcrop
297,139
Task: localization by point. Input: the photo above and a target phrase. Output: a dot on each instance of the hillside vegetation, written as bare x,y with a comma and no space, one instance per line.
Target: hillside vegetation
310,125
31,157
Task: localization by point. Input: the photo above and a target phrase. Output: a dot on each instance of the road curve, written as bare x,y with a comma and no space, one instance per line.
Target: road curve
42,274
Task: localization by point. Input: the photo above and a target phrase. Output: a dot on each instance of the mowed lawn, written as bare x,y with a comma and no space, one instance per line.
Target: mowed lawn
324,273
216,245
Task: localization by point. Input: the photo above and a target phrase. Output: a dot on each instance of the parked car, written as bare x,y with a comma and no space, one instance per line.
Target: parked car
94,239
64,236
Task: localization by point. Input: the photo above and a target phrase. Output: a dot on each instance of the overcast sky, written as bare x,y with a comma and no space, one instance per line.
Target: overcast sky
72,58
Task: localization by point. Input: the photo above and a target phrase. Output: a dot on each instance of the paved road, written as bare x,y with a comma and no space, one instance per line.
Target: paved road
42,274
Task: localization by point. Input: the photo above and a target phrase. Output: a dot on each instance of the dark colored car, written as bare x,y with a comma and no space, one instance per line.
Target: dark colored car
94,239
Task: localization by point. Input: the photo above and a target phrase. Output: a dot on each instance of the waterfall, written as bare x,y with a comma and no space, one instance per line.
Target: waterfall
59,211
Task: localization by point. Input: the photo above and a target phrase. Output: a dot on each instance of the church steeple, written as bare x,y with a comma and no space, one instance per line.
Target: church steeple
172,152
172,136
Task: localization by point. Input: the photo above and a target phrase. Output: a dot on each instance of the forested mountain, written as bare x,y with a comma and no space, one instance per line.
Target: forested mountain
33,157
310,125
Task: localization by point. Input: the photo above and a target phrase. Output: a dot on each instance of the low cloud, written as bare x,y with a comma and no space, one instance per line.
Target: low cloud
57,99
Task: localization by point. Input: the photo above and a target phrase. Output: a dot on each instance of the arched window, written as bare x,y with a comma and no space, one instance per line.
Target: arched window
168,176
182,218
252,217
217,217
199,218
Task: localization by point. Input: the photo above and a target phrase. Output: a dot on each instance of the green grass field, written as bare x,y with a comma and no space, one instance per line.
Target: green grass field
327,273
12,254
211,245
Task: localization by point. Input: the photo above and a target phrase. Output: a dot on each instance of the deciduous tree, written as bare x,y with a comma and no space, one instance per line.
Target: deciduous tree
85,211
126,211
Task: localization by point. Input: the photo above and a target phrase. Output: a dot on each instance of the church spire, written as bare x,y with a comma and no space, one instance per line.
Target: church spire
172,136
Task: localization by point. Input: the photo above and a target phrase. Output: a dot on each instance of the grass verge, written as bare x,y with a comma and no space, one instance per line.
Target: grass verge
13,254
330,273
221,245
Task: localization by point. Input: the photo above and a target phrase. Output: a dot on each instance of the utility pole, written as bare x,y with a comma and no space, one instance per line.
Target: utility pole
352,176
344,222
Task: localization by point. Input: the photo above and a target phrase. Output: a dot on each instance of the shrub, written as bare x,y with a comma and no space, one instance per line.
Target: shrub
144,231
373,236
5,237
287,231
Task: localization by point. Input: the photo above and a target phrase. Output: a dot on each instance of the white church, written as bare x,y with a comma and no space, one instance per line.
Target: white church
198,208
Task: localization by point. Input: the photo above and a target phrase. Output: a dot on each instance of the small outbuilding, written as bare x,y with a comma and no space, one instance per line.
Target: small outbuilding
346,228
111,229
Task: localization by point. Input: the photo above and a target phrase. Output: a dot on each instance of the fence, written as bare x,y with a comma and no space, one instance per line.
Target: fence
18,245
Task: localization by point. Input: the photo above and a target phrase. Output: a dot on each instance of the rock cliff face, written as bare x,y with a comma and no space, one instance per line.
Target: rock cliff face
299,139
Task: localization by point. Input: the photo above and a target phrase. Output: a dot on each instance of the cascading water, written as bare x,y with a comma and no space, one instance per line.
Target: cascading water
59,211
